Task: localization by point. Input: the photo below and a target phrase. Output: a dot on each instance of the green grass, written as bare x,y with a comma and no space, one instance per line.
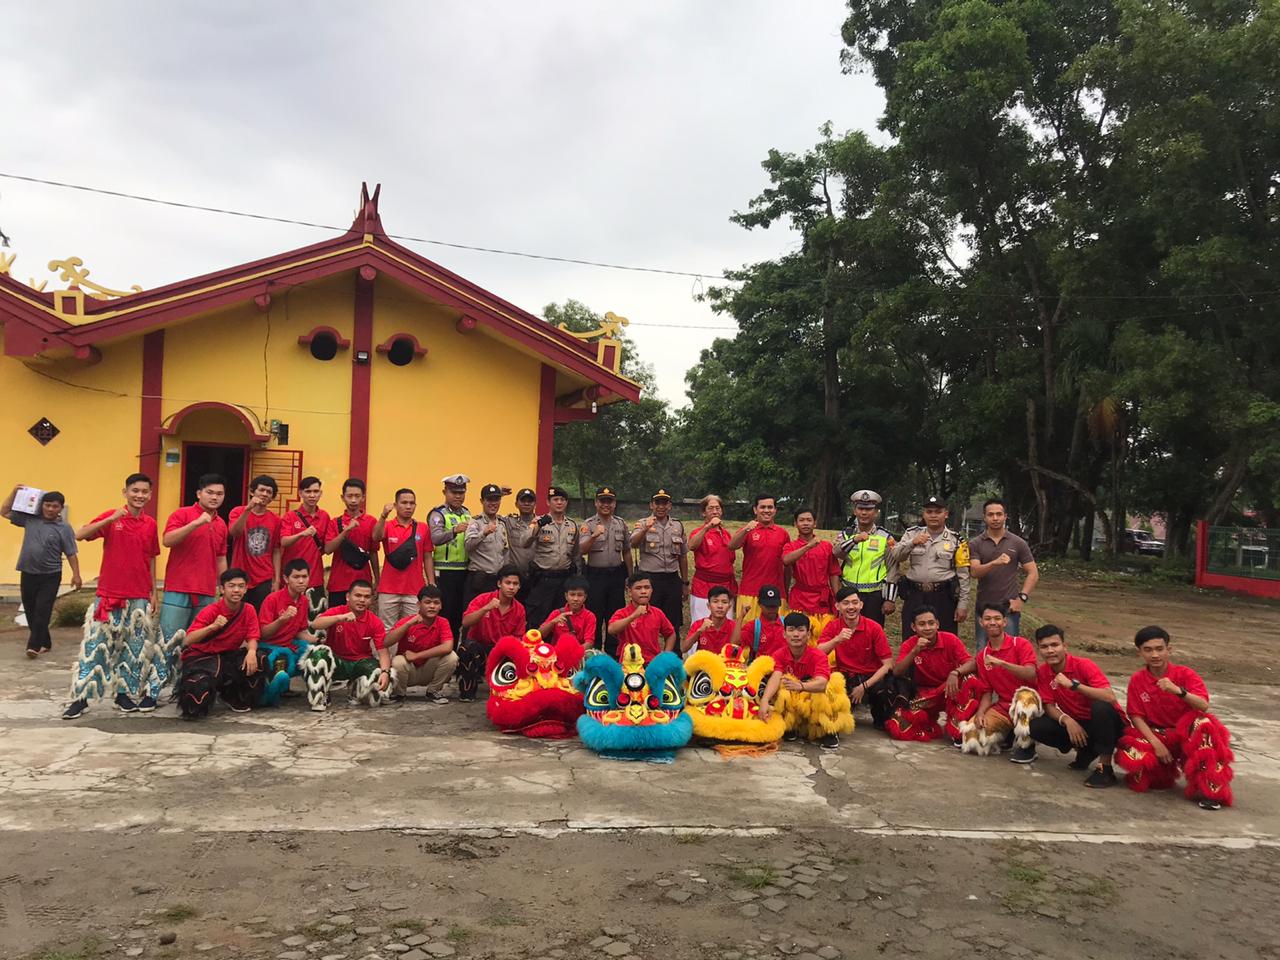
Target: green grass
459,934
417,926
179,912
755,877
1099,889
503,917
1021,873
70,610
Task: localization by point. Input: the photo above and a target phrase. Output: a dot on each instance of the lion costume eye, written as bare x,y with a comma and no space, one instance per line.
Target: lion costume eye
598,695
504,674
700,688
670,693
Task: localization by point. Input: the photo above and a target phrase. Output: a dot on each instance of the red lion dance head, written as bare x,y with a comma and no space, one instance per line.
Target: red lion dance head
530,688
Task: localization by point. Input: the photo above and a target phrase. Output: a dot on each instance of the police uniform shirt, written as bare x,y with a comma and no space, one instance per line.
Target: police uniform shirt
556,546
852,561
662,546
607,550
519,549
486,554
942,558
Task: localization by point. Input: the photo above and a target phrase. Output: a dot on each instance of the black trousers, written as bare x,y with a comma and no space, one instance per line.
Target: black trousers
668,596
337,598
256,594
472,655
873,606
546,593
476,584
879,698
453,584
1103,728
205,678
39,590
943,600
606,595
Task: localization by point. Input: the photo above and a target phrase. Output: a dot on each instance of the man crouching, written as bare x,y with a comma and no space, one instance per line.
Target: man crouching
354,637
220,653
810,697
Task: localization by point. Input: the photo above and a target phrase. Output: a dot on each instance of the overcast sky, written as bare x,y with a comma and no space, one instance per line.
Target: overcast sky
626,134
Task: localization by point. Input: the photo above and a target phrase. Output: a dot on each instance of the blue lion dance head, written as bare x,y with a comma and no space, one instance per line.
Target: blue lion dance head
634,711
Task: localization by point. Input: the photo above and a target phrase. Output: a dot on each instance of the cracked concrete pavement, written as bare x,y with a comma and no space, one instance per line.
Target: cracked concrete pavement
424,767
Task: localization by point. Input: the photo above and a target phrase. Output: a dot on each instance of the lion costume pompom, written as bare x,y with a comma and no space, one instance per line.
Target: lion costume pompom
634,711
530,687
723,696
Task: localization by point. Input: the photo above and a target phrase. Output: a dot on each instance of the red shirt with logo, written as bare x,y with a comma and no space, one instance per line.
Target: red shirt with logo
193,563
1144,699
277,603
811,578
864,651
581,626
410,580
762,559
239,629
712,562
713,639
495,624
1015,650
358,639
251,551
812,663
307,548
128,544
649,631
1071,702
933,665
341,573
424,636
772,636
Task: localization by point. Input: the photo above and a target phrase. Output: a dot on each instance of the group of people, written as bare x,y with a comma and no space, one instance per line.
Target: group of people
246,606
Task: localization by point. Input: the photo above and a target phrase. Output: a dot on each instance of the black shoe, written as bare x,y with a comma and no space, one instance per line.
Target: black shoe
1101,777
147,704
829,742
124,704
395,698
1084,759
467,698
791,736
957,743
1023,754
75,710
238,707
1204,803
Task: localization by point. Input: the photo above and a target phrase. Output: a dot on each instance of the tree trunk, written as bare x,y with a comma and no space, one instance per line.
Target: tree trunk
1086,536
1033,461
1232,477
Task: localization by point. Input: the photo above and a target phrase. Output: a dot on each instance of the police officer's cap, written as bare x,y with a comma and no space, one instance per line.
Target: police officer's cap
526,493
769,597
557,492
935,502
491,491
660,495
456,480
865,498
605,493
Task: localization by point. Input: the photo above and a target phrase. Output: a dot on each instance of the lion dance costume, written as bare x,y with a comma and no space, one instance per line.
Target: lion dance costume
118,652
1023,708
1201,748
723,696
634,711
814,715
531,687
916,716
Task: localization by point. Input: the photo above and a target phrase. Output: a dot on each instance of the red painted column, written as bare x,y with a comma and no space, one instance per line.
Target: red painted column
1202,551
152,410
361,342
546,433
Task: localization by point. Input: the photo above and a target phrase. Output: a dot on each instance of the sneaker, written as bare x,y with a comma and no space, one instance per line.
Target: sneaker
467,698
1204,803
1084,759
147,704
32,653
75,709
396,697
124,704
1023,754
1101,777
791,736
436,697
829,742
238,707
957,742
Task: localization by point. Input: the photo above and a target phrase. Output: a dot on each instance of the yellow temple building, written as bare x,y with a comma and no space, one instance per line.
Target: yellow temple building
351,357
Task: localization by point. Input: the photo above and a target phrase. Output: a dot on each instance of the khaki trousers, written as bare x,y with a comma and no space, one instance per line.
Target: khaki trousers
432,673
394,607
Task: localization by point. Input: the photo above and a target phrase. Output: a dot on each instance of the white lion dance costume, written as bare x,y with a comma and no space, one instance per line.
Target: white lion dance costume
118,651
320,667
1023,708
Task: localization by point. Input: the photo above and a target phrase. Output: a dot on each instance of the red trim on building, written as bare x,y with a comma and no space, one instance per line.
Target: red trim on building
307,338
546,433
175,421
418,349
152,410
361,378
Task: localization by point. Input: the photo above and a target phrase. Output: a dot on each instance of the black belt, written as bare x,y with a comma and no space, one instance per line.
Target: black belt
662,573
565,572
928,587
620,568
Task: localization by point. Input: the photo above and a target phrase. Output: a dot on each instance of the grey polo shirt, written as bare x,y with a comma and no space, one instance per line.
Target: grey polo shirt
43,543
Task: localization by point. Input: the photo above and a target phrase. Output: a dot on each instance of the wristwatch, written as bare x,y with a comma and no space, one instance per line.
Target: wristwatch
1023,597
1075,684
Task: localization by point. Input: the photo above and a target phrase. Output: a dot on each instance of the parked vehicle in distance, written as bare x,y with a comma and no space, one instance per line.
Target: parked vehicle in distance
1142,542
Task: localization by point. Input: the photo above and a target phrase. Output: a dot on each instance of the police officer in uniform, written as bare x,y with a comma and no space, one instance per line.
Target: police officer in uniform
486,543
519,540
607,555
555,558
934,566
660,543
447,525
864,551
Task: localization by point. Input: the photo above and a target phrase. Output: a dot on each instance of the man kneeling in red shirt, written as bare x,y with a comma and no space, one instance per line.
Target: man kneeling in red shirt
814,705
220,652
862,655
927,679
354,637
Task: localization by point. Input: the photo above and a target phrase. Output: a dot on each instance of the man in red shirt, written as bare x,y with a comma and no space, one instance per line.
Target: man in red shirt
220,653
424,648
815,572
354,637
763,633
118,646
1168,705
488,618
715,631
713,558
1006,668
1080,708
302,536
197,540
255,540
762,542
349,539
862,653
927,675
406,557
286,636
574,618
816,705
641,624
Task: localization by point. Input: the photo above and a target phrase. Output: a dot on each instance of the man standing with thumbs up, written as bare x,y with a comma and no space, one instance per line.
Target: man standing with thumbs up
995,558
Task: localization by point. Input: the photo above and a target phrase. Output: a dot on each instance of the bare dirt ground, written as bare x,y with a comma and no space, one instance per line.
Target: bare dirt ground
417,831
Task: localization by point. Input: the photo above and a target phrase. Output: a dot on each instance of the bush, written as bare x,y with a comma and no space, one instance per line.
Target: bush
69,611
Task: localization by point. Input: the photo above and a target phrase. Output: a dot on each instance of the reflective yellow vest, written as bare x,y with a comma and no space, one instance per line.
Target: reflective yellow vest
452,554
866,565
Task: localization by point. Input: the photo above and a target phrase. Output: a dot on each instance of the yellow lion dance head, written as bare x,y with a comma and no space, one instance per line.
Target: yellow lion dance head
723,696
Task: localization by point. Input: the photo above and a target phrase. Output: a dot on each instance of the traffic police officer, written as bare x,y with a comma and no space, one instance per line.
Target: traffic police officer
934,566
607,556
555,558
660,541
447,525
864,550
